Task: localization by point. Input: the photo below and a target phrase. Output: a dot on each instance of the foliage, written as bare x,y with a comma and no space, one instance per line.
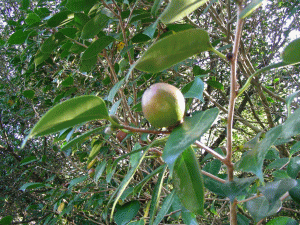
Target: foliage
72,76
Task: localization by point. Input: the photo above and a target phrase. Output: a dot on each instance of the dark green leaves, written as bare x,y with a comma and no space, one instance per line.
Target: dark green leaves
291,53
126,212
188,181
177,9
60,18
295,192
283,220
19,37
94,26
187,133
96,47
80,5
173,49
69,113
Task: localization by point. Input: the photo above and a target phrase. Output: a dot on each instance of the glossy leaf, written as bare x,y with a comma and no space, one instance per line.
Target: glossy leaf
295,148
252,161
188,181
60,18
80,5
291,53
173,49
126,212
28,160
230,189
164,208
195,90
99,170
94,26
96,47
33,186
19,37
283,220
259,208
293,167
295,192
278,163
187,133
274,190
254,4
70,113
177,9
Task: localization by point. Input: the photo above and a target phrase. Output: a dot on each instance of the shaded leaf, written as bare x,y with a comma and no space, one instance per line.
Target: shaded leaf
164,208
278,163
289,99
173,49
32,18
29,93
295,192
99,170
126,212
96,47
195,89
6,220
291,126
274,190
19,37
188,181
283,220
69,113
259,208
60,18
80,5
187,133
293,167
94,26
252,161
28,160
177,9
295,148
77,181
32,186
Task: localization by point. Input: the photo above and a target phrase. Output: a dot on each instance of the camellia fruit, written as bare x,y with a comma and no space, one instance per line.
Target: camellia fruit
163,105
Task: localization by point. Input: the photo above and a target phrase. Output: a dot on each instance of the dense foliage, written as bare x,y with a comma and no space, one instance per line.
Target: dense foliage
75,146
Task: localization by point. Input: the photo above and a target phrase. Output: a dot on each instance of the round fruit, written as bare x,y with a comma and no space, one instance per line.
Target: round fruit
121,135
163,105
92,172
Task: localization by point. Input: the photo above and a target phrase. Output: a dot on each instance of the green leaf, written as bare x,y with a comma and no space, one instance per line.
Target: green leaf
293,167
32,186
88,65
250,8
195,89
96,47
259,208
32,18
77,181
173,49
215,84
80,5
164,208
188,181
94,26
289,99
70,113
274,190
69,81
19,37
60,19
295,192
278,163
140,38
99,170
114,90
188,217
155,7
295,148
29,93
252,161
69,32
283,220
187,133
291,126
126,212
6,220
95,150
291,53
230,189
213,167
177,9
242,220
28,160
81,138
156,195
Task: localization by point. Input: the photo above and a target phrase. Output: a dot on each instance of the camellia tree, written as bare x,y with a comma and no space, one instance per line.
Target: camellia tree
221,148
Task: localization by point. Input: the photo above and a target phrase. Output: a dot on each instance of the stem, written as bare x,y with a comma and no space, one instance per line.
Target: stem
141,130
218,53
209,150
233,94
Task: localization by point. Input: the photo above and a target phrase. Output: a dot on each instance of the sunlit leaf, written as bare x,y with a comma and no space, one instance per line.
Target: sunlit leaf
96,47
80,5
19,37
164,208
177,9
291,53
254,4
124,213
173,49
94,26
